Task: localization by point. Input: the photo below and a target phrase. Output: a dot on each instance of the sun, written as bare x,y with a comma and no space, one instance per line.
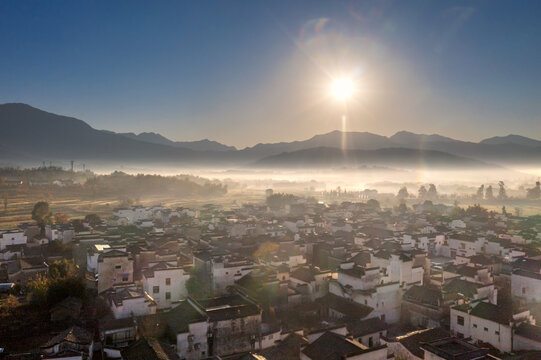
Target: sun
342,88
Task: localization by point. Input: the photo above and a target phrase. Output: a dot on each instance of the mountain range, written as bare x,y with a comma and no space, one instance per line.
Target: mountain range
29,135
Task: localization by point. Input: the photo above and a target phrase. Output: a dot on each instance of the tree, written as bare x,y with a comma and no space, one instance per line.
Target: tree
62,282
373,204
266,251
403,193
61,218
37,290
502,195
480,192
402,208
42,215
197,285
9,304
78,225
278,201
422,192
432,193
93,219
489,195
174,220
478,211
535,192
62,269
457,213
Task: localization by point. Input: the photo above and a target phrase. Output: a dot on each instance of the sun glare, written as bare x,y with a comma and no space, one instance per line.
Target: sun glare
342,88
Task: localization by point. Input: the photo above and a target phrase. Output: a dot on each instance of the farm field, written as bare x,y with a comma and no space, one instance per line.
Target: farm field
19,207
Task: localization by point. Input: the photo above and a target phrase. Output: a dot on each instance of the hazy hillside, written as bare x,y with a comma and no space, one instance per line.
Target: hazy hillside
512,139
200,145
392,157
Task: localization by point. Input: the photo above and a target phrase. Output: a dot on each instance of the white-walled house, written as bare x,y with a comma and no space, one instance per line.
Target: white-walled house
364,286
133,214
166,283
526,286
335,346
131,300
12,237
486,322
225,270
404,267
311,282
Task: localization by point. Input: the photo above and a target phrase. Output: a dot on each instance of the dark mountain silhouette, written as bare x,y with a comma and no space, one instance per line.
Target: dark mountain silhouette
391,157
39,134
200,145
30,134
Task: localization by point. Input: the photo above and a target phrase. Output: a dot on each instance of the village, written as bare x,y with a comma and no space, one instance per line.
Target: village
291,278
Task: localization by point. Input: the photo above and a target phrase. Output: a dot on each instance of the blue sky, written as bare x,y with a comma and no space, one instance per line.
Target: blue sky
244,72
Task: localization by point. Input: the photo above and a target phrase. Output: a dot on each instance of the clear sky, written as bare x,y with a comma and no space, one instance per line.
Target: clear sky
244,72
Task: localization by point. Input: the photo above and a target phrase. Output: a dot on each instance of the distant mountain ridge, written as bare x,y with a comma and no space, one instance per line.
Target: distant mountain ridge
391,157
200,145
32,135
512,139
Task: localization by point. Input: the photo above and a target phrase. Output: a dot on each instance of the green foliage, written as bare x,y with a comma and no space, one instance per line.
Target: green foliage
477,211
93,219
126,186
63,281
78,225
61,218
41,213
373,204
278,201
198,285
266,251
457,213
535,192
403,193
9,304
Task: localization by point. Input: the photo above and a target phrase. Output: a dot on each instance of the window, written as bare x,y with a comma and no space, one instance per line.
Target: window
486,329
365,302
118,267
523,290
475,326
168,296
460,320
497,332
124,278
155,289
168,281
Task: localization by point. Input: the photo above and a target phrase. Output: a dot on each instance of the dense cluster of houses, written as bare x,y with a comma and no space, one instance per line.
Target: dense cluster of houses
307,281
